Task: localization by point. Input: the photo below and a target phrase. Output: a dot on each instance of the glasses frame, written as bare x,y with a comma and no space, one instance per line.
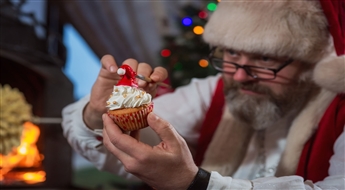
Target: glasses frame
246,68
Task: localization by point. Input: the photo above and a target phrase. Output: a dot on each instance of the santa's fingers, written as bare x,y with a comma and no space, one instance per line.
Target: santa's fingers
144,70
113,149
108,62
159,74
135,134
158,77
132,63
122,141
109,68
165,131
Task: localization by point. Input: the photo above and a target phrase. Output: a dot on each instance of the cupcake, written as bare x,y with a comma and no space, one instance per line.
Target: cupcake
129,106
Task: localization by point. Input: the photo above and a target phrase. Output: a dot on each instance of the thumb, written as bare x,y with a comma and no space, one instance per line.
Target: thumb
164,129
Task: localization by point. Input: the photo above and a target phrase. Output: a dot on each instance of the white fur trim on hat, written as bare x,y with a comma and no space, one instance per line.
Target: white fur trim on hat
296,29
281,28
330,73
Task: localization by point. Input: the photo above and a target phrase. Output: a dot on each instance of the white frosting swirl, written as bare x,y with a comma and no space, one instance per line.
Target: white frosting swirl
127,97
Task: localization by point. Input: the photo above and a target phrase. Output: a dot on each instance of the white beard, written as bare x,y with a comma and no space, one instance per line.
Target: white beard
262,112
259,114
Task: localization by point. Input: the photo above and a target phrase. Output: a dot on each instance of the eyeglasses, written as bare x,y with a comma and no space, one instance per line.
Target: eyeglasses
258,72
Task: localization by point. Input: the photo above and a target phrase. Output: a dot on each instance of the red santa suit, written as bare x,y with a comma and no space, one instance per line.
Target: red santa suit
314,159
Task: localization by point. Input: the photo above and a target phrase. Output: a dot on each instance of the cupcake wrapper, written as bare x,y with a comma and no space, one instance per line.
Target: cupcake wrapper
132,121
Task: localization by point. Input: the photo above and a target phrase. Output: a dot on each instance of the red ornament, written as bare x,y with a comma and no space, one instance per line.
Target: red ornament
203,14
165,53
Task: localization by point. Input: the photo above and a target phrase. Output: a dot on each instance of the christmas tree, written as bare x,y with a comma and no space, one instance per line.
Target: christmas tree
185,55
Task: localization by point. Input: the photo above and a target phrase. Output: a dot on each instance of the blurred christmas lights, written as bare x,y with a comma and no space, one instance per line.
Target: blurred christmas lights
178,66
212,6
183,52
187,21
165,53
202,14
198,30
203,63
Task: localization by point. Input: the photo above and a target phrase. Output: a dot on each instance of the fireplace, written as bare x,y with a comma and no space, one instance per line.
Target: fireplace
22,164
47,90
26,65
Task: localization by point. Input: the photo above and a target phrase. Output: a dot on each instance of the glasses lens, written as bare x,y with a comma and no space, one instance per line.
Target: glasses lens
261,73
218,52
217,60
220,65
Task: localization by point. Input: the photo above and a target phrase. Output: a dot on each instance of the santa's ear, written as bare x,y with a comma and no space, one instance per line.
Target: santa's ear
121,71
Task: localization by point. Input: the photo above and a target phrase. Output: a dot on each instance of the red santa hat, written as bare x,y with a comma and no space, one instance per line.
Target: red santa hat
306,30
128,76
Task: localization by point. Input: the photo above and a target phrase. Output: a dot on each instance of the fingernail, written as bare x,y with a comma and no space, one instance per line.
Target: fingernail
141,83
112,69
103,117
155,78
153,116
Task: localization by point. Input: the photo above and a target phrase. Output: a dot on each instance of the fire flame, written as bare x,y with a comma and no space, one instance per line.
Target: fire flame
25,155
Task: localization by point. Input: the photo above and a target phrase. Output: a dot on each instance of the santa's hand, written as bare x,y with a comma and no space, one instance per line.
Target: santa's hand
168,165
107,78
158,74
100,92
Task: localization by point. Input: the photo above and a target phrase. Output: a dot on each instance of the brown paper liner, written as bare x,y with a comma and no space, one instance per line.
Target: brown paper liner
130,119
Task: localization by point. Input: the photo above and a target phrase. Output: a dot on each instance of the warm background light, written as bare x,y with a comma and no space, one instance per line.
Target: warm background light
203,63
26,155
34,177
198,30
